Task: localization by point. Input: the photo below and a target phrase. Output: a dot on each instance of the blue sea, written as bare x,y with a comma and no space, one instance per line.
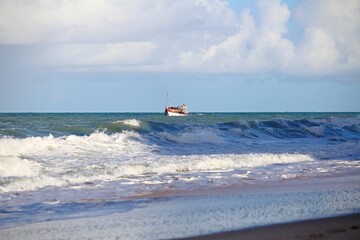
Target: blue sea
56,166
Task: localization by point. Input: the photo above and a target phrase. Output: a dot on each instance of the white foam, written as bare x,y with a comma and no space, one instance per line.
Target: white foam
130,122
38,162
241,176
98,142
201,163
14,166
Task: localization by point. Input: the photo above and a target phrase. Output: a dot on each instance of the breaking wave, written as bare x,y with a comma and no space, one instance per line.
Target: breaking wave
130,122
52,152
37,162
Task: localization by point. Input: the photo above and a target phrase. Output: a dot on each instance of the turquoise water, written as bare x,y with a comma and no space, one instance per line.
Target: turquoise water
60,124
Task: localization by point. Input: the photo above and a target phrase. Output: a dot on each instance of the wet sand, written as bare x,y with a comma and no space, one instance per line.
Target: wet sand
167,214
336,228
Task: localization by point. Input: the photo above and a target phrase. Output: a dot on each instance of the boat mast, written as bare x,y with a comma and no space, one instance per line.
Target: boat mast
167,99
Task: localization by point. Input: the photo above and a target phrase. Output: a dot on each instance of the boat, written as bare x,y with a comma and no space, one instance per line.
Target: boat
175,111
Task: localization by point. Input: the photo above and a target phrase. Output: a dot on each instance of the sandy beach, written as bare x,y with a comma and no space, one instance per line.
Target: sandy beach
333,228
281,210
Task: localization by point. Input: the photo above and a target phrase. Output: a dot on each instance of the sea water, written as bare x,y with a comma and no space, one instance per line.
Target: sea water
72,165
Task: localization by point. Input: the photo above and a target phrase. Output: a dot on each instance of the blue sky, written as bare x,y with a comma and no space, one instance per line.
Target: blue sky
122,56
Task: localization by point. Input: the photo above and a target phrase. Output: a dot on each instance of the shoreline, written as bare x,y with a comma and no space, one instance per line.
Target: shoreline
333,181
279,210
339,227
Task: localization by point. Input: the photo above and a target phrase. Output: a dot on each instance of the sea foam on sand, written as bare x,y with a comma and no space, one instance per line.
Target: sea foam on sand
166,215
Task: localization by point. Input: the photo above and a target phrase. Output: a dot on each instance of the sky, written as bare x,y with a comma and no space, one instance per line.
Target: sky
213,55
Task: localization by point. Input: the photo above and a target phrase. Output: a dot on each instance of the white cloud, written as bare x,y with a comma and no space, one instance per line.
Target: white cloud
332,35
188,36
115,33
87,55
253,47
318,51
94,21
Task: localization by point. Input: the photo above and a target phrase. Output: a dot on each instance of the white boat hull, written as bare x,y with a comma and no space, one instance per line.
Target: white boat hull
175,114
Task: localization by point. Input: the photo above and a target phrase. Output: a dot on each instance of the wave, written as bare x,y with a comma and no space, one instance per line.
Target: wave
11,166
72,144
333,129
38,162
242,127
33,163
50,161
194,136
303,128
130,122
122,148
217,162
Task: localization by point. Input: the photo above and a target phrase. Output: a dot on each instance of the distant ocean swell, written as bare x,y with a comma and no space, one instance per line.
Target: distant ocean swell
158,150
277,127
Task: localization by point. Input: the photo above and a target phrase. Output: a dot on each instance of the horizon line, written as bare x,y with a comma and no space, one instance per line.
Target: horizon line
156,112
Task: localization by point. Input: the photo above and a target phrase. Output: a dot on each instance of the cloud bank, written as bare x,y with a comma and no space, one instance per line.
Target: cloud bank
202,36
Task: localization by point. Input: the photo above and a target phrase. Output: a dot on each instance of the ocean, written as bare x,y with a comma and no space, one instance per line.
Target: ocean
61,166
